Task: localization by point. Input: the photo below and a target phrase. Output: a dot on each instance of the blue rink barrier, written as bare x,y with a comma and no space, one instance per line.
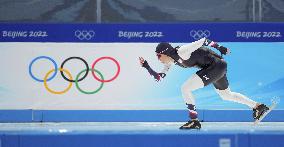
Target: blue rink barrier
127,140
132,116
16,115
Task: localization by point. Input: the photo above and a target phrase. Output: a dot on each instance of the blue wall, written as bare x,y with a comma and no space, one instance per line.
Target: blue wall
132,116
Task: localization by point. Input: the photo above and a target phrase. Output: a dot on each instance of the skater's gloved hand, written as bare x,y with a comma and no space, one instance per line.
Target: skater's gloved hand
163,75
224,50
159,76
143,62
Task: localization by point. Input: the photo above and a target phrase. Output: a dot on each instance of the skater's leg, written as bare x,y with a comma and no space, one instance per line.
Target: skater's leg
202,78
222,88
193,83
228,95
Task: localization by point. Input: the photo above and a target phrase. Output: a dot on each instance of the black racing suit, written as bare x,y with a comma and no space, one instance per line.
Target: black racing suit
212,67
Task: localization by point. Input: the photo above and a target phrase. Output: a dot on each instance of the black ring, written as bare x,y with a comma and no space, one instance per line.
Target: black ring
87,71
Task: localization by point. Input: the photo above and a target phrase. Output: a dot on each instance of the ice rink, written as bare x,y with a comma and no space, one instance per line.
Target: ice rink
156,134
137,127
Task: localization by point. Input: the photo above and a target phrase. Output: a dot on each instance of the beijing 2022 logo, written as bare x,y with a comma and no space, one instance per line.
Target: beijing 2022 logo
69,77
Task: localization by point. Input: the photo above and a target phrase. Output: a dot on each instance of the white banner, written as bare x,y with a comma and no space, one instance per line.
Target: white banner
131,89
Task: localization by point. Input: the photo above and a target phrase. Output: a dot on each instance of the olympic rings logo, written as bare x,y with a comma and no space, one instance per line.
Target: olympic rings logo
199,34
69,77
84,34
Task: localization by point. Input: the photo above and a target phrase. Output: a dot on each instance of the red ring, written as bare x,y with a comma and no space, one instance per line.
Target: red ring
101,58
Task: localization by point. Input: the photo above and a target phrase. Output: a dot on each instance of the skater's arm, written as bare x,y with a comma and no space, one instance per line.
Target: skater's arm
211,43
153,73
185,51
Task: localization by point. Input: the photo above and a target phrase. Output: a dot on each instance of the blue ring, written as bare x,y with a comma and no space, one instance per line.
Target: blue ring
42,57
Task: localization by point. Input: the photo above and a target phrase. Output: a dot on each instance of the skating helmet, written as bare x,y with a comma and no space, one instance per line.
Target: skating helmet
165,48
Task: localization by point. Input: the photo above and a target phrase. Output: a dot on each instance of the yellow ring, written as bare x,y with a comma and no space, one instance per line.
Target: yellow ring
57,92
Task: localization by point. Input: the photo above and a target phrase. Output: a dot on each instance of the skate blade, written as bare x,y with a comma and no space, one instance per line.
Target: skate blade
271,107
188,128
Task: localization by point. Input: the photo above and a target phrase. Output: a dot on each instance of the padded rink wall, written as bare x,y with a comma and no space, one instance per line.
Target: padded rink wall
30,116
147,101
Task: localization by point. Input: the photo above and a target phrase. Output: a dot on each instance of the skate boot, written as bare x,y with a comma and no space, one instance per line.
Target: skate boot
259,111
192,124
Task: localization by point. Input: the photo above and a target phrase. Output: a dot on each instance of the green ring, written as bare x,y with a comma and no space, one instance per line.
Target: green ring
86,92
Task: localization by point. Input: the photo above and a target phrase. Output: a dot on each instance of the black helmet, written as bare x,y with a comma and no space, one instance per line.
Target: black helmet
165,48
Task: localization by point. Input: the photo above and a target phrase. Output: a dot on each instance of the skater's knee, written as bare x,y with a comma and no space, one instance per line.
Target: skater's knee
187,87
193,83
225,94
